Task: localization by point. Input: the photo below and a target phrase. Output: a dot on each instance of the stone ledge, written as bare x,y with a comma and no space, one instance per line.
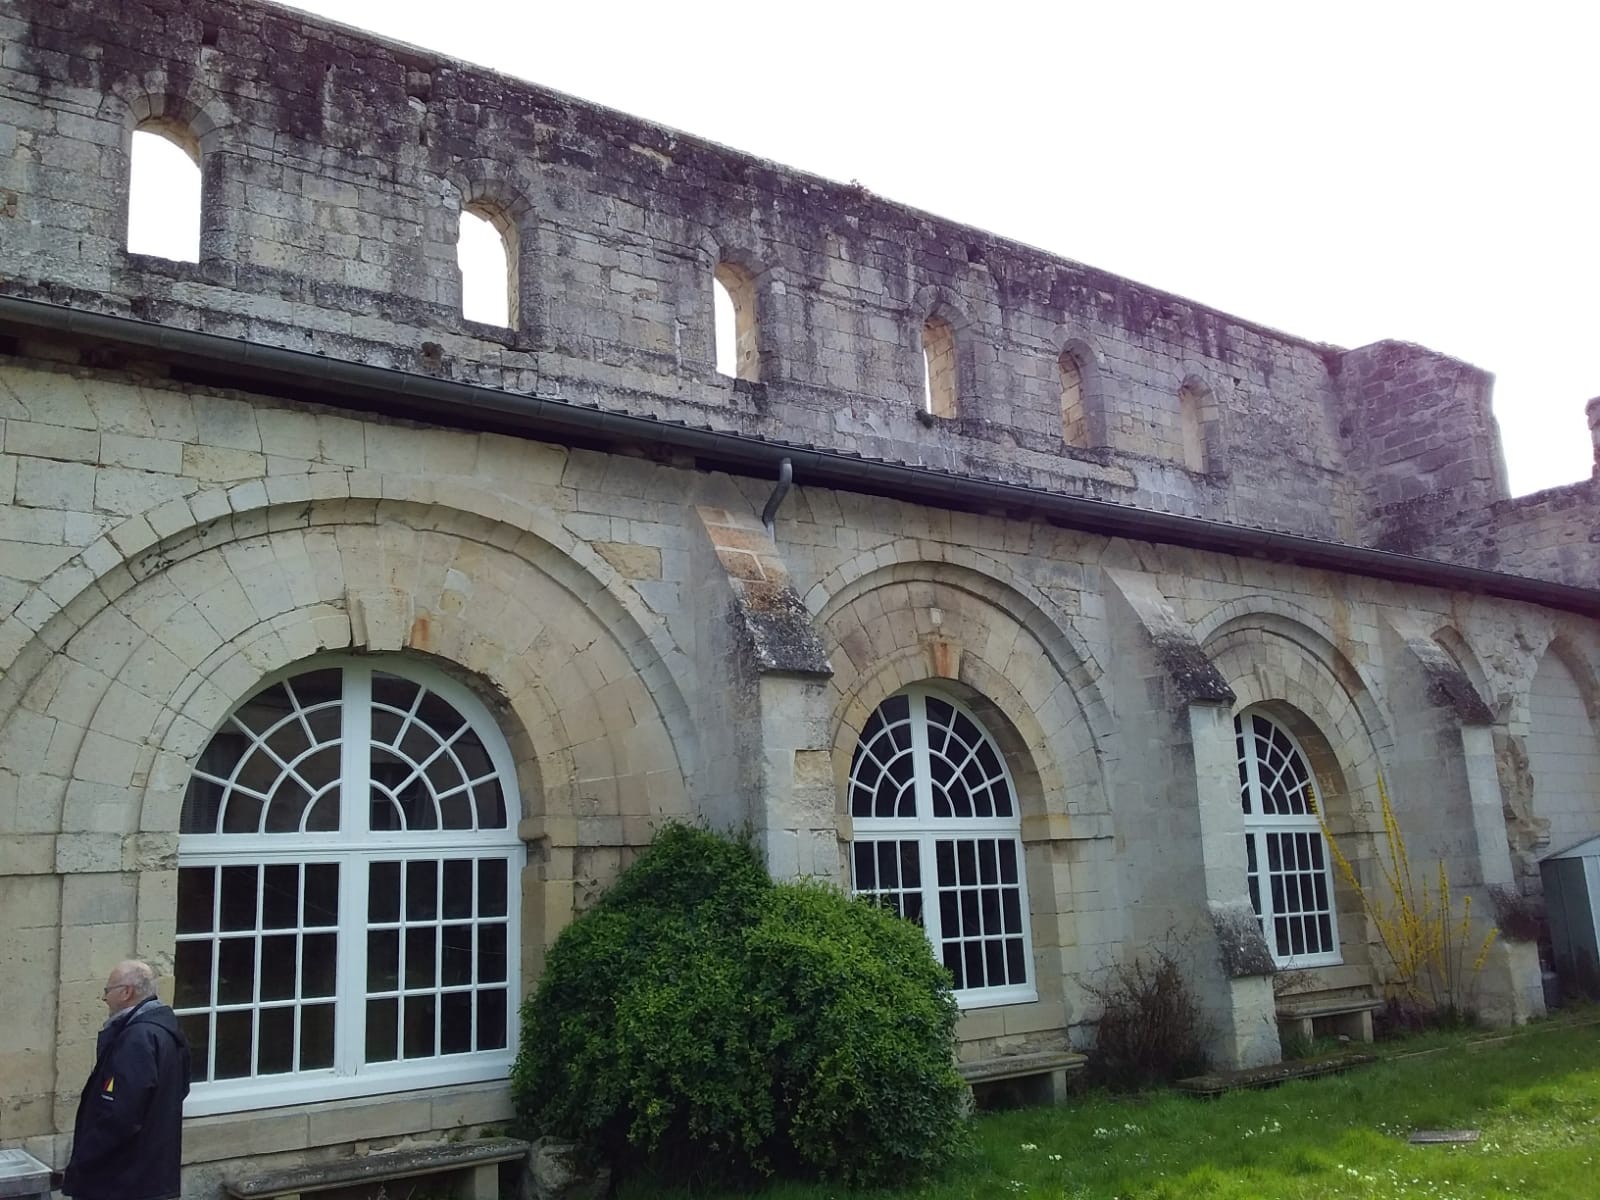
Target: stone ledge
1219,1082
374,1168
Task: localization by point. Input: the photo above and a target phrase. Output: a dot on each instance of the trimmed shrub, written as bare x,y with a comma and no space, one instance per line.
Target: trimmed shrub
702,1021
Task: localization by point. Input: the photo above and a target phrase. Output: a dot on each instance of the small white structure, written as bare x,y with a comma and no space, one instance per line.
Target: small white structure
1572,898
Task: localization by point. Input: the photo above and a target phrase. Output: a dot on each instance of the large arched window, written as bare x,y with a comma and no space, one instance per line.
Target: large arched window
1291,884
347,877
938,838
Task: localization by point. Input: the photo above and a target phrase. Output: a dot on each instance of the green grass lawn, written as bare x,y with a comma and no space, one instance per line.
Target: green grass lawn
1535,1097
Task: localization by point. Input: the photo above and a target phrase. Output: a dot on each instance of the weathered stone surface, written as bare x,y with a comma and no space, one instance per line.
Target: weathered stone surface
176,527
554,1173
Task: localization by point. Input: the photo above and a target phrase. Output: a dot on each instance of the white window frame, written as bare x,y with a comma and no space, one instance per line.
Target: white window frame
1259,827
355,848
927,830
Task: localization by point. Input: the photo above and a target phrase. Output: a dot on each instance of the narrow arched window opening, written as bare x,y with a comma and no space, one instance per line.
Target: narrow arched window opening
733,296
1074,419
164,193
486,254
1192,401
938,368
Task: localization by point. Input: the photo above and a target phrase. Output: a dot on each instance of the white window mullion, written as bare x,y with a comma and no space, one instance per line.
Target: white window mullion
355,760
932,922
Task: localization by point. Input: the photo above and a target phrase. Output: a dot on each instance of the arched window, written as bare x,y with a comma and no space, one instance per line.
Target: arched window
347,879
938,838
734,310
938,368
1564,755
164,192
1074,420
1287,860
1192,400
486,253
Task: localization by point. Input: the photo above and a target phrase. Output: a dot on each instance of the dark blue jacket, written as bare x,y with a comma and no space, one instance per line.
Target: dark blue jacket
128,1139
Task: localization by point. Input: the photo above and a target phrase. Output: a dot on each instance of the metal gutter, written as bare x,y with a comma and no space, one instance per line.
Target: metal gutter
403,393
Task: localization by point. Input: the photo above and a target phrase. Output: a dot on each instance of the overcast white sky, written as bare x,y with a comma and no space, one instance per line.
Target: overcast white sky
1345,172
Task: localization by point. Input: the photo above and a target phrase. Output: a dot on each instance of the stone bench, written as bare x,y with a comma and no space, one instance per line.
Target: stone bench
1219,1082
476,1165
1345,1016
1051,1067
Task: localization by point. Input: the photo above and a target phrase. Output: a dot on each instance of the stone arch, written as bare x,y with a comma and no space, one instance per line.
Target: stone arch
1302,627
1460,652
104,737
949,360
944,628
920,621
195,634
500,194
1296,676
1200,440
95,578
1563,747
985,576
187,114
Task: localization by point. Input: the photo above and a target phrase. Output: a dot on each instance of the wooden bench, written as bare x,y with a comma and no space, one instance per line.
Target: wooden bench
1345,1016
1051,1067
476,1164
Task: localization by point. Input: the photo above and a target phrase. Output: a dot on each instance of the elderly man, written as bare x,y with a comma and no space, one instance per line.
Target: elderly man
128,1139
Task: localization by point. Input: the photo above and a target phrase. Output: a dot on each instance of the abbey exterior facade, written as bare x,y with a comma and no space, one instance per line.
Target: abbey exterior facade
350,646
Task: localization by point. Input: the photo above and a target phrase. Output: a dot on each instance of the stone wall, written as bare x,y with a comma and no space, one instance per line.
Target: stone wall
173,531
336,168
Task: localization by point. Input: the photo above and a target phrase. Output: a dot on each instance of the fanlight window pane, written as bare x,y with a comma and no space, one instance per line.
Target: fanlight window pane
1288,871
938,841
314,960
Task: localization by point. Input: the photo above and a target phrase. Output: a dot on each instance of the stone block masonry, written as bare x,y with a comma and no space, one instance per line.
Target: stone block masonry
1135,546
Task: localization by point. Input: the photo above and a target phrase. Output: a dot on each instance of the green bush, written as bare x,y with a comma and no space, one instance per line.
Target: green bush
1150,1029
702,1021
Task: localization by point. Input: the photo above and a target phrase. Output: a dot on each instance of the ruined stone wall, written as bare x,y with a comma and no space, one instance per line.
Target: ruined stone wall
336,168
649,648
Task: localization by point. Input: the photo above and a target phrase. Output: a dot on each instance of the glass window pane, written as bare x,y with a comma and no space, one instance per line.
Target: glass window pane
191,969
322,895
238,898
196,893
236,971
492,886
235,1040
278,972
492,1019
383,1030
319,964
421,967
419,1030
277,1041
455,1023
422,891
316,1037
383,960
383,892
280,896
455,964
458,895
491,953
197,1029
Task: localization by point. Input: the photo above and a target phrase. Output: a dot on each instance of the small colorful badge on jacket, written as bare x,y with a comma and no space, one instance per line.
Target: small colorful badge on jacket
111,1086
